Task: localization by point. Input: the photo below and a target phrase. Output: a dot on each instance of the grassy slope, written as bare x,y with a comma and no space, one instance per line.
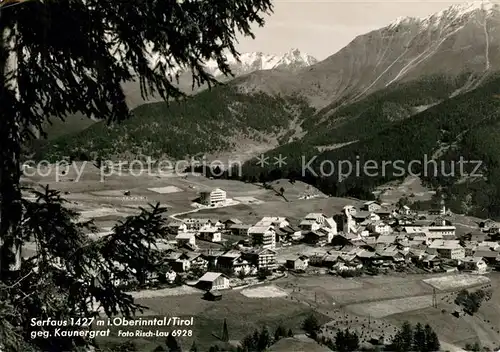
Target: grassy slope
243,315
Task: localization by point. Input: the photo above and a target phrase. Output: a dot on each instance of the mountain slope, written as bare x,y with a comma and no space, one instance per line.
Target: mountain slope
211,121
462,38
416,89
288,62
466,126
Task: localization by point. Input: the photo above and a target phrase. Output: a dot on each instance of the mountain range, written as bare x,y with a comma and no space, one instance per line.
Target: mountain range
418,86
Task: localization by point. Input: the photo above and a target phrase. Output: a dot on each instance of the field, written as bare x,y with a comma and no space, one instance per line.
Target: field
376,306
110,197
392,306
410,187
454,282
167,189
264,292
243,316
298,344
370,305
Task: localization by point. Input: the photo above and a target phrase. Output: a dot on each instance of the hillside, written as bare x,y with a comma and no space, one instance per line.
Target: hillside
415,89
288,62
461,38
463,126
211,121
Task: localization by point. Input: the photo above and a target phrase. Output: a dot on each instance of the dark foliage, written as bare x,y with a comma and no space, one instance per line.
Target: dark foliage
66,57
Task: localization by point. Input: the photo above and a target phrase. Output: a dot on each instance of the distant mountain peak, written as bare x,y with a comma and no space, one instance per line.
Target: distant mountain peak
255,61
455,11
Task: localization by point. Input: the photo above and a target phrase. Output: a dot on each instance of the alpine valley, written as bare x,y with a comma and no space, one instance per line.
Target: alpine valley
417,88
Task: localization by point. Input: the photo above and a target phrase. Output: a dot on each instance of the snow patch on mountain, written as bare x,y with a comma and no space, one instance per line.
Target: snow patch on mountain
256,61
453,13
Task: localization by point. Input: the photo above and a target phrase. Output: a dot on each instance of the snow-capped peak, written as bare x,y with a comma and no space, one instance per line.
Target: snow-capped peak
454,12
255,61
460,10
402,21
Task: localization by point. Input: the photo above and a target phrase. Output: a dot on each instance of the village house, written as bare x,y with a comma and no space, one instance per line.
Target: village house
470,248
386,239
476,264
490,256
273,221
416,231
178,261
379,227
366,257
229,222
488,224
404,210
210,233
441,210
212,257
431,261
391,253
286,234
197,260
403,221
298,263
195,224
232,262
315,221
213,198
175,227
476,236
264,236
239,229
328,260
371,206
338,240
261,257
321,235
185,238
227,260
449,249
490,244
213,281
447,232
316,258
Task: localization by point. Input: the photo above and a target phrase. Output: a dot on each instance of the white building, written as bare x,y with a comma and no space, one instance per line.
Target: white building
277,221
263,236
213,281
195,224
476,264
210,233
315,221
214,197
447,249
379,227
445,231
185,238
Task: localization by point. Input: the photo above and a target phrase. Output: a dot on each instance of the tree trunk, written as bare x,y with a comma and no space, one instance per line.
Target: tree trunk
10,151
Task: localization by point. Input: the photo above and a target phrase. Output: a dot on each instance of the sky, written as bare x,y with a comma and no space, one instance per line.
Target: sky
322,27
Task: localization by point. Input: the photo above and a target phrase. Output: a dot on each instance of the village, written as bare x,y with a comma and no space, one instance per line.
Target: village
276,254
217,254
